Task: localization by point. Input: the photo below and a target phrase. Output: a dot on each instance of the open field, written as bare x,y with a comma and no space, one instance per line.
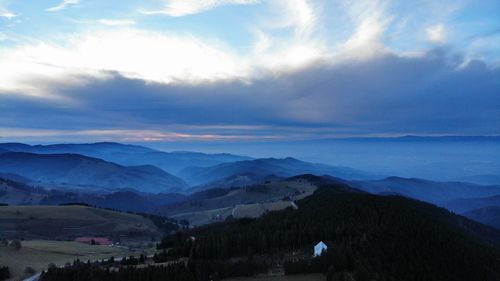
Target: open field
39,253
246,202
254,210
203,217
68,222
305,277
258,209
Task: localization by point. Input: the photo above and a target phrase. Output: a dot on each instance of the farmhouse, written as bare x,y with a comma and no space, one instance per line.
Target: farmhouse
320,248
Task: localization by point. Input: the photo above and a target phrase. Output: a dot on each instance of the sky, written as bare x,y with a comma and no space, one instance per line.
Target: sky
247,70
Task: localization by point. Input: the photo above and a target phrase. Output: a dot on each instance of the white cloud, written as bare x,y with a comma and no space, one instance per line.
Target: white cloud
179,8
133,53
170,58
63,5
5,12
299,14
151,56
370,24
436,33
262,43
366,41
116,22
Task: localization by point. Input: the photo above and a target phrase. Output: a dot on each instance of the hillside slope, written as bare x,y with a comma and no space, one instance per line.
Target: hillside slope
68,222
12,192
371,238
201,207
468,204
487,215
78,170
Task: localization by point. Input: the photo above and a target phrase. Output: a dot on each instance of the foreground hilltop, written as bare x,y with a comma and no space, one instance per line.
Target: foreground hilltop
369,237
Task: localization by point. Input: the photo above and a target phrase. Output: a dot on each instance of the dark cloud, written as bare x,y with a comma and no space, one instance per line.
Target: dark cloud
389,94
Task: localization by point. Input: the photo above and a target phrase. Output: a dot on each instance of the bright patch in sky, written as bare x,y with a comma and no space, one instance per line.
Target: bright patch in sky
313,63
437,33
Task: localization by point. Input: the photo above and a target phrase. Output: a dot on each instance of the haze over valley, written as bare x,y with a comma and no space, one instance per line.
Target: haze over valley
249,140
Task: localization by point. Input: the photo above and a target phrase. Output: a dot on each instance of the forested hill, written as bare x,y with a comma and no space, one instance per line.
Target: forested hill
370,237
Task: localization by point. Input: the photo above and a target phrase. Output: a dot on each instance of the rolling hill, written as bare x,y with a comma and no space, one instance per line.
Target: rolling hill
468,204
74,170
430,191
120,200
16,193
262,168
486,215
371,237
487,179
130,155
238,180
202,207
68,222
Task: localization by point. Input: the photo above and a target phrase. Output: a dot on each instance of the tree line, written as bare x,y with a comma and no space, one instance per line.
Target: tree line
369,237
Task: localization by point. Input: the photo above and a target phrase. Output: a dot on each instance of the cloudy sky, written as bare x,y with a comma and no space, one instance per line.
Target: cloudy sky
245,70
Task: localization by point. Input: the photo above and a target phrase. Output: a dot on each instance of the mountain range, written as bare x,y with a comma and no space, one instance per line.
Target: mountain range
130,155
78,171
67,173
114,166
261,168
430,191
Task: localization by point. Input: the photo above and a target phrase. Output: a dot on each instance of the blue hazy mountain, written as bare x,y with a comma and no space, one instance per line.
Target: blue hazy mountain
487,215
17,193
464,205
76,170
425,190
266,167
446,158
487,179
130,155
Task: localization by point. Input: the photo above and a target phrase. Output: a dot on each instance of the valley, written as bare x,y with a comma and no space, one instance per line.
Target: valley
243,217
249,140
38,254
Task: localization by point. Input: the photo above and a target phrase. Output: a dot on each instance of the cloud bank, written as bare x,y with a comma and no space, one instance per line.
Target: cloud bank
375,67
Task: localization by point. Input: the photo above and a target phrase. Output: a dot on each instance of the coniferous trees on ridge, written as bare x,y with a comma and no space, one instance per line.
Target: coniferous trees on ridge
369,237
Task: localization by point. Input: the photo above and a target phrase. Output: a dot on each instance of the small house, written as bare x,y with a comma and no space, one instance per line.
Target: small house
320,248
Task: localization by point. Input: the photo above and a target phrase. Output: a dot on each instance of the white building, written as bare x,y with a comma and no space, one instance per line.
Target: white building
319,248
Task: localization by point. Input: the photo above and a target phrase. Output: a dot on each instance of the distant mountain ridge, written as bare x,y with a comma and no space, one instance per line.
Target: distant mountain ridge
487,215
464,205
74,148
75,169
426,190
413,138
264,167
130,155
